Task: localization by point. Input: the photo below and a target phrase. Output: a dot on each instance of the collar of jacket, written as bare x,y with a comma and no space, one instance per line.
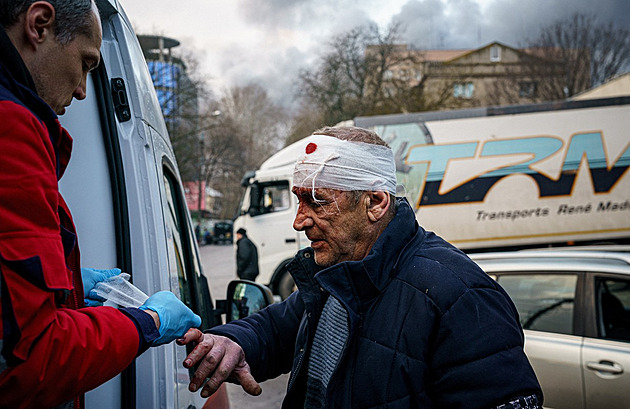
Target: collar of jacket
357,283
13,62
15,76
303,269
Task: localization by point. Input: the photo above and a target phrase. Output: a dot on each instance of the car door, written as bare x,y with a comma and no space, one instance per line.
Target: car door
93,186
606,357
547,303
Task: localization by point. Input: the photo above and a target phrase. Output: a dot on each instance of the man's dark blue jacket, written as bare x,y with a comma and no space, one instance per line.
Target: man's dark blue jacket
428,329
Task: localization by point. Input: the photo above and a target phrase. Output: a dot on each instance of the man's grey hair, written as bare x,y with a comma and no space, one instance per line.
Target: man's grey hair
72,17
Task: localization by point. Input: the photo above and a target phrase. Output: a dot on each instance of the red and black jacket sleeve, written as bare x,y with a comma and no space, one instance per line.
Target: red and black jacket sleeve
50,351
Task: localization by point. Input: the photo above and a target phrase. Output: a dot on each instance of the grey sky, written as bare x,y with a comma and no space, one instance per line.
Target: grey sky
269,41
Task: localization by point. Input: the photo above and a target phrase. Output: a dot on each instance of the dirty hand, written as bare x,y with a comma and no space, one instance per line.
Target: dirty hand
174,316
219,359
91,276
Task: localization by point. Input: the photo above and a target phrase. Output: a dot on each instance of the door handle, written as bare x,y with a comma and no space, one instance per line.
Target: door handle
289,240
605,366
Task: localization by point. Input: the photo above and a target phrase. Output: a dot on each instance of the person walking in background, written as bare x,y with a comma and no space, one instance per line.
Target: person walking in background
386,313
246,256
53,348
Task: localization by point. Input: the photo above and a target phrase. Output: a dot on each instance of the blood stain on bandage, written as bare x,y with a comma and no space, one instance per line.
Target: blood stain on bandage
310,148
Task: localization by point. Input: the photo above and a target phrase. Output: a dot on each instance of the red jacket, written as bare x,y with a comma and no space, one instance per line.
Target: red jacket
52,349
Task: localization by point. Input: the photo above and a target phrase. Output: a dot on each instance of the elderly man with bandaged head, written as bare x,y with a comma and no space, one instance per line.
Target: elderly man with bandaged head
386,313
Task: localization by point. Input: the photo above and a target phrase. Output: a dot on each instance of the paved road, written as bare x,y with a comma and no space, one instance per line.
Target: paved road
219,266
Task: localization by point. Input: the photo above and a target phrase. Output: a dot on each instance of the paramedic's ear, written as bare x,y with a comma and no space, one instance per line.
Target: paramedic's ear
377,205
38,22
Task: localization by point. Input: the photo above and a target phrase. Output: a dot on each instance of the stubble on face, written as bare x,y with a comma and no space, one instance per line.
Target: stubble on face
60,71
336,226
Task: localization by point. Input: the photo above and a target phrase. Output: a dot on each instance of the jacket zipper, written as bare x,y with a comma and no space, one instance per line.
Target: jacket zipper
297,368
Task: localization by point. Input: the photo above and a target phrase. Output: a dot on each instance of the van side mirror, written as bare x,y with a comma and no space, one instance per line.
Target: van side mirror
245,298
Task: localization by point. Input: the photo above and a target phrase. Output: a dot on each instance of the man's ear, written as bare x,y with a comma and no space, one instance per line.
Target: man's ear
378,204
38,23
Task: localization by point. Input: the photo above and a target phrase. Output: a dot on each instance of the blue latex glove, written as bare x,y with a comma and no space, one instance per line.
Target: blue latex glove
175,317
90,277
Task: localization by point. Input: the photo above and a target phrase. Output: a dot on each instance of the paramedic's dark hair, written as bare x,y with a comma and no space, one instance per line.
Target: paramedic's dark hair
72,17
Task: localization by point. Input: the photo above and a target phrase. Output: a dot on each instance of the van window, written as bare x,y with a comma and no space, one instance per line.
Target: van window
175,236
545,302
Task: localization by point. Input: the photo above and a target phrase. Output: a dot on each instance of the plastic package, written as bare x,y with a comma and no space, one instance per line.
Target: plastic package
119,290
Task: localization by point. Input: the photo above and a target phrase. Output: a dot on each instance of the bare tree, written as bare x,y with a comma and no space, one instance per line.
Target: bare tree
306,120
351,78
222,155
367,72
182,92
215,141
569,56
239,132
262,123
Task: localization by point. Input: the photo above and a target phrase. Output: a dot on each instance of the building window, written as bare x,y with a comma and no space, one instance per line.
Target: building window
495,53
463,90
527,89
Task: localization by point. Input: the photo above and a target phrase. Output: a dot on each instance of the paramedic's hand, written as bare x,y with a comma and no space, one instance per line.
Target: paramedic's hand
90,277
219,359
175,318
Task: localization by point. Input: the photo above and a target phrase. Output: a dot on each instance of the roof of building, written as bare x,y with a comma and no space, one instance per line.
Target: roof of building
617,86
451,55
153,42
442,55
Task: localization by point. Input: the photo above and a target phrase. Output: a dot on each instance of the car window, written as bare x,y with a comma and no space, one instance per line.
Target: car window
614,309
545,302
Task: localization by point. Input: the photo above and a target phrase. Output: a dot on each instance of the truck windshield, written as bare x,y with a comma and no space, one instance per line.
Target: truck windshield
271,197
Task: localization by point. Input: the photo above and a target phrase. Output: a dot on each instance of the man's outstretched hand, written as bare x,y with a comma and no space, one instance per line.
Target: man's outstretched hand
219,359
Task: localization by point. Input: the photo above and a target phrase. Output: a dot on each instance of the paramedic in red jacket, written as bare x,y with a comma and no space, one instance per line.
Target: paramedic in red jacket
52,350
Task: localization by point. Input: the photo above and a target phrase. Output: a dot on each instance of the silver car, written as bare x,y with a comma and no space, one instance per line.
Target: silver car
574,307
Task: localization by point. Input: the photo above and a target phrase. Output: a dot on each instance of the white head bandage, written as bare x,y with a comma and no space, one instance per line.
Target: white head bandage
329,162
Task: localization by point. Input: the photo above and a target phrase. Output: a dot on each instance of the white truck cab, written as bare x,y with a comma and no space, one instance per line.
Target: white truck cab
267,211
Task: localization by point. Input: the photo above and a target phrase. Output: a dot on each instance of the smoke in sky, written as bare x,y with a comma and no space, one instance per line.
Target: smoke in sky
426,24
432,24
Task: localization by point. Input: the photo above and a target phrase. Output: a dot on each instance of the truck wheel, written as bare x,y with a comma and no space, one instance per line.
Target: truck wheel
286,286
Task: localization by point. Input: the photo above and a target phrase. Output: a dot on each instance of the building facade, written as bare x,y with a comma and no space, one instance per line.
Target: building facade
495,74
176,92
